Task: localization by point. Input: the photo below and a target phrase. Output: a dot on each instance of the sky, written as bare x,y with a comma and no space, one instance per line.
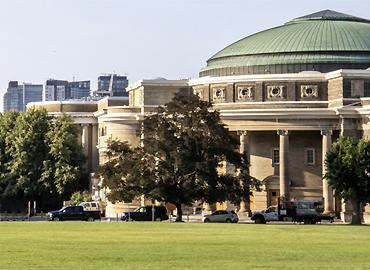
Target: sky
144,39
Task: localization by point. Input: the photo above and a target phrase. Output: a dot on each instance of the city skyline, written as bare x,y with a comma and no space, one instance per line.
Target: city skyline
140,39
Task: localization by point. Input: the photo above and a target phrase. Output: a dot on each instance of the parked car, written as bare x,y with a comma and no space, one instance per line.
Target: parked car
307,211
73,213
145,213
228,216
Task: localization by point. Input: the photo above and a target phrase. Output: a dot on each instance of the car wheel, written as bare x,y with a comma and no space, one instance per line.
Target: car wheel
56,219
259,220
307,221
90,219
206,220
158,219
228,220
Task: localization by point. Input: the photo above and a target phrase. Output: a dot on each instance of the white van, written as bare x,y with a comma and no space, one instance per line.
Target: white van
90,206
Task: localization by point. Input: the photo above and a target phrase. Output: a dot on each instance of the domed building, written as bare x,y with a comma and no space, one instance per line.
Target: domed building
324,41
287,92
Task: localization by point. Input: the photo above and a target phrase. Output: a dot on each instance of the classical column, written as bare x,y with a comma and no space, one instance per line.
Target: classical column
94,149
244,148
284,166
326,189
85,138
85,145
79,137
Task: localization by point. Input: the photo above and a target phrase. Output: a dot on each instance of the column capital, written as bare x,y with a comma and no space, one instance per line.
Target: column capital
283,132
242,132
326,132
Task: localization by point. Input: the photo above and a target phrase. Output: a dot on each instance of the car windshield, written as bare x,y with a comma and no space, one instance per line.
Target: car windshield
64,207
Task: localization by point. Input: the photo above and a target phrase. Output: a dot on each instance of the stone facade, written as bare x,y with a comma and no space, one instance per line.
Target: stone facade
288,121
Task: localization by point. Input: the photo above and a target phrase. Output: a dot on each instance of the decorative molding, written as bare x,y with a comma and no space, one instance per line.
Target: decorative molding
198,92
245,92
283,132
326,132
219,93
242,132
307,76
309,91
276,91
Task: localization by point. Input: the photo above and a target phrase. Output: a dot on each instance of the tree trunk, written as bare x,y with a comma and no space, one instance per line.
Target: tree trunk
356,212
179,212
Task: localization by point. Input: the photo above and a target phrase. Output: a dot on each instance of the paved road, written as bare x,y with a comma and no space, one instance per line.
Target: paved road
186,218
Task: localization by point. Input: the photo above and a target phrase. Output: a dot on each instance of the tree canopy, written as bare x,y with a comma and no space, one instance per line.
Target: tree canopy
39,156
348,172
184,145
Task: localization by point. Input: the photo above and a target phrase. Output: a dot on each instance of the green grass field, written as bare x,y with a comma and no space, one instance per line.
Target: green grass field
83,245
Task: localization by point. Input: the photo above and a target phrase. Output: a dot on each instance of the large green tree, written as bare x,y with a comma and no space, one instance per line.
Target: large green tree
183,147
7,183
62,168
348,172
28,151
40,157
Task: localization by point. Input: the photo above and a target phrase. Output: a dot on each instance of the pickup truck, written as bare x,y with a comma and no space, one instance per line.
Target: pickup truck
306,211
73,213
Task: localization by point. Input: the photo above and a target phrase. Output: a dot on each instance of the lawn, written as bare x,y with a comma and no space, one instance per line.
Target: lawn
100,245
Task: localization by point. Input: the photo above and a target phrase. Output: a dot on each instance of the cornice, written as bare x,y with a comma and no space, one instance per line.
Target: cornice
177,83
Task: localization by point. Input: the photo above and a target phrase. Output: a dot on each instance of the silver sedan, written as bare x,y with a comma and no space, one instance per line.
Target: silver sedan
228,216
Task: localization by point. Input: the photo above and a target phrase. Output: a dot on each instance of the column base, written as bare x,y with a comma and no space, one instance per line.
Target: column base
346,216
244,213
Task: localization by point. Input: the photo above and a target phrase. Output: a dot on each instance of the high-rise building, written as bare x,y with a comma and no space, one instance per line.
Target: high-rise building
13,97
112,85
79,89
59,90
31,93
18,95
56,90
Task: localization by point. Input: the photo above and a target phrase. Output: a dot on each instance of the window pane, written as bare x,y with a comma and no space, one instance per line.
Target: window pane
275,156
310,156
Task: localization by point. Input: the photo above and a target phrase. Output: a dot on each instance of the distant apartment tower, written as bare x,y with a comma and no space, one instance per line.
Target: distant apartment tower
13,97
18,95
56,90
79,89
59,90
31,93
112,85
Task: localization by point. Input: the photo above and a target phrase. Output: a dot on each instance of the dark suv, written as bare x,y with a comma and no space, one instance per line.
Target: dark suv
73,213
145,213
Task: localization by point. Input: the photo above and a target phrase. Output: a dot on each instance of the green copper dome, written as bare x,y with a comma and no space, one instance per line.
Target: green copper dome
322,41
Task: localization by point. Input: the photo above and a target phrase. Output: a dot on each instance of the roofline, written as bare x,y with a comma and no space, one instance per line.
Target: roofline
182,82
286,53
300,76
38,103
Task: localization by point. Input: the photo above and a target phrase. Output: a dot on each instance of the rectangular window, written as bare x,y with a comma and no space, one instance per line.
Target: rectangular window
357,88
310,156
367,89
347,88
275,156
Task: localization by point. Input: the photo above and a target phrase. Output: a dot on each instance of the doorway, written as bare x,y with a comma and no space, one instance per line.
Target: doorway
274,195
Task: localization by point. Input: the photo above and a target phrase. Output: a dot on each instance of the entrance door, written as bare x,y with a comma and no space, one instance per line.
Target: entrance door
274,195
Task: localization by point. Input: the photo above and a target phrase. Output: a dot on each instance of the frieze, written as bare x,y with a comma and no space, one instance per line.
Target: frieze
276,91
219,93
309,91
245,92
